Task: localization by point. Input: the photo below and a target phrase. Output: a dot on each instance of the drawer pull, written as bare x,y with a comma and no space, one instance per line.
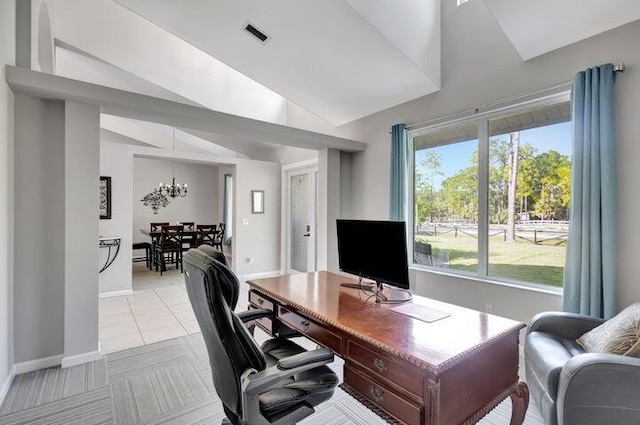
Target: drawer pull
304,325
260,301
380,365
377,394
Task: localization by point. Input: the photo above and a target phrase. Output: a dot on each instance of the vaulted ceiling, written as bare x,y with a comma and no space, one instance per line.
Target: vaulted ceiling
340,60
536,27
325,63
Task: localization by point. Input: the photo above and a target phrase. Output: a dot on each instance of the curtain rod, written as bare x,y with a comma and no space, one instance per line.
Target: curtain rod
619,67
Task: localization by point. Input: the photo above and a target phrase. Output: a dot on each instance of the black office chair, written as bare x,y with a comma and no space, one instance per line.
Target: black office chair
278,383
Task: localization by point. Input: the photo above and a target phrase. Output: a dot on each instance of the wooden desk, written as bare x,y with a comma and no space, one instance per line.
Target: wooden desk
448,372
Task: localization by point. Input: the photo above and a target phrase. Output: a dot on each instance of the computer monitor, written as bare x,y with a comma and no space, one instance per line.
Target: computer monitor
375,250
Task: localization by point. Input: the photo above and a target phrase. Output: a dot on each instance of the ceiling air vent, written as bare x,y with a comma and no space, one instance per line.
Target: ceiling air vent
256,33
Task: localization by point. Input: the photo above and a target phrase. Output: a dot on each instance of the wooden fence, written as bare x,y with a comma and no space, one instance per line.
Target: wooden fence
535,236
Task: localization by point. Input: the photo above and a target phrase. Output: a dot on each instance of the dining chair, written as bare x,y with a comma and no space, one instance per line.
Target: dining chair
205,234
148,255
219,237
188,240
156,227
169,245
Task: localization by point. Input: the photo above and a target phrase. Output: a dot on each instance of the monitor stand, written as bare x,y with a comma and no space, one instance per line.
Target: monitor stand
359,285
386,295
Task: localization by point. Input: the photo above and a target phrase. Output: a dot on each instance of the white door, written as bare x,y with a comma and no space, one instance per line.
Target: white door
301,219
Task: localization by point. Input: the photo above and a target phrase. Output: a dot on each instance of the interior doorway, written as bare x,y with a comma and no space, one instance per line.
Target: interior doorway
302,192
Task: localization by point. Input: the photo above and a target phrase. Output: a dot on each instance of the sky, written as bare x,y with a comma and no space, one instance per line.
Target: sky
457,156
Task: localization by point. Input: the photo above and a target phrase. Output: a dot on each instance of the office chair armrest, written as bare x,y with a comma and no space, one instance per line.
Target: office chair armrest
565,325
254,383
307,357
250,315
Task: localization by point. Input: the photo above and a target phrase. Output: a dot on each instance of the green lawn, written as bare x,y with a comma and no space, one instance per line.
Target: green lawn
521,260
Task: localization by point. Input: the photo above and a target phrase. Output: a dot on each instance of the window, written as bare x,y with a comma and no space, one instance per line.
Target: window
227,212
491,194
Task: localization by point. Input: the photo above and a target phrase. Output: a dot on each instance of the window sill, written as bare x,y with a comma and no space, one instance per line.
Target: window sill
533,287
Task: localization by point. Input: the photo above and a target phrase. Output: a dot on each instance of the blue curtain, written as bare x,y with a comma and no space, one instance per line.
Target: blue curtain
590,270
398,195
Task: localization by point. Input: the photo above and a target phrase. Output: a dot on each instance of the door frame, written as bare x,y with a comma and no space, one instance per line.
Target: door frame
285,246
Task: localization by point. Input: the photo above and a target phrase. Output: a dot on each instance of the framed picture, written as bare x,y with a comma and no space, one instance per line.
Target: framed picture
257,201
105,198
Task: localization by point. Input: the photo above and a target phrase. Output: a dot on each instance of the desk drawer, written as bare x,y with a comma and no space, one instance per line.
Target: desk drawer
311,330
383,397
389,369
259,301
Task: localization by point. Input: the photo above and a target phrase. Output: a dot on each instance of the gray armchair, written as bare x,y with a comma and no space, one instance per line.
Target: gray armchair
573,387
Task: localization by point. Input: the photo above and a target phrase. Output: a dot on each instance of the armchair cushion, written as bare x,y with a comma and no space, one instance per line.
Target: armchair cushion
618,335
546,354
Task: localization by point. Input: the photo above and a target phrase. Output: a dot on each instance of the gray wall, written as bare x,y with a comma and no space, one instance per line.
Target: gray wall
260,238
7,56
200,205
82,164
39,214
481,66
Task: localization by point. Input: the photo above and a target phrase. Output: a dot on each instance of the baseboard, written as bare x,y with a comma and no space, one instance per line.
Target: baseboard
36,364
5,387
91,356
115,293
260,275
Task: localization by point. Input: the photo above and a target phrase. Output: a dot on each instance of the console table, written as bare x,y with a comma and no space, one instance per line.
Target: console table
447,372
109,242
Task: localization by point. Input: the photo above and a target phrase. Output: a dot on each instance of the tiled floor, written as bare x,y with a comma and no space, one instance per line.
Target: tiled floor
157,310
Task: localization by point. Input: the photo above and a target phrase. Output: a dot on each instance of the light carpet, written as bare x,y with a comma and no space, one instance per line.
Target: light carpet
164,383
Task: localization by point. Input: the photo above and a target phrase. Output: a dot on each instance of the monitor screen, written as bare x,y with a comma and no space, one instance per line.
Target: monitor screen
374,249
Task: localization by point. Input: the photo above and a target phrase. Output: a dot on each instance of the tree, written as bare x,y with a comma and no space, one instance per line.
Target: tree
460,195
426,194
514,158
553,187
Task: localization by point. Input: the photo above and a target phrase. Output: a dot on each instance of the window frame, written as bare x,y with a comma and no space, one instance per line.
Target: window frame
481,118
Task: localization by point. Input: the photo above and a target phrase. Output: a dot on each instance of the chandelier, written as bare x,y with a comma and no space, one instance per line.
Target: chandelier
174,189
155,200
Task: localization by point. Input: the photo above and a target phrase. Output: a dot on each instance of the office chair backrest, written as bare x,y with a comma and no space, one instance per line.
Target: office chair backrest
216,254
229,290
231,348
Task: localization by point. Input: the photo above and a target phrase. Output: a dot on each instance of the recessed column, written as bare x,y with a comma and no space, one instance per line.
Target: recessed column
82,172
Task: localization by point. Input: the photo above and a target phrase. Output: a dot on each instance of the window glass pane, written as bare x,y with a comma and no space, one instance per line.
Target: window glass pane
529,194
446,198
227,211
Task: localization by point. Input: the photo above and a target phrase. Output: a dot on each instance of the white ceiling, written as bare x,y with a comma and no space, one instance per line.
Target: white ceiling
341,60
536,27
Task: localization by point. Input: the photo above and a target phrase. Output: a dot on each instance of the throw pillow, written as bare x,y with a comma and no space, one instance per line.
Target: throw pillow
618,335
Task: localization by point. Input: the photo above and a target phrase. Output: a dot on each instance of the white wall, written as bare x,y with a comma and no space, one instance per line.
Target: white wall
116,161
7,56
481,66
39,216
200,205
163,59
